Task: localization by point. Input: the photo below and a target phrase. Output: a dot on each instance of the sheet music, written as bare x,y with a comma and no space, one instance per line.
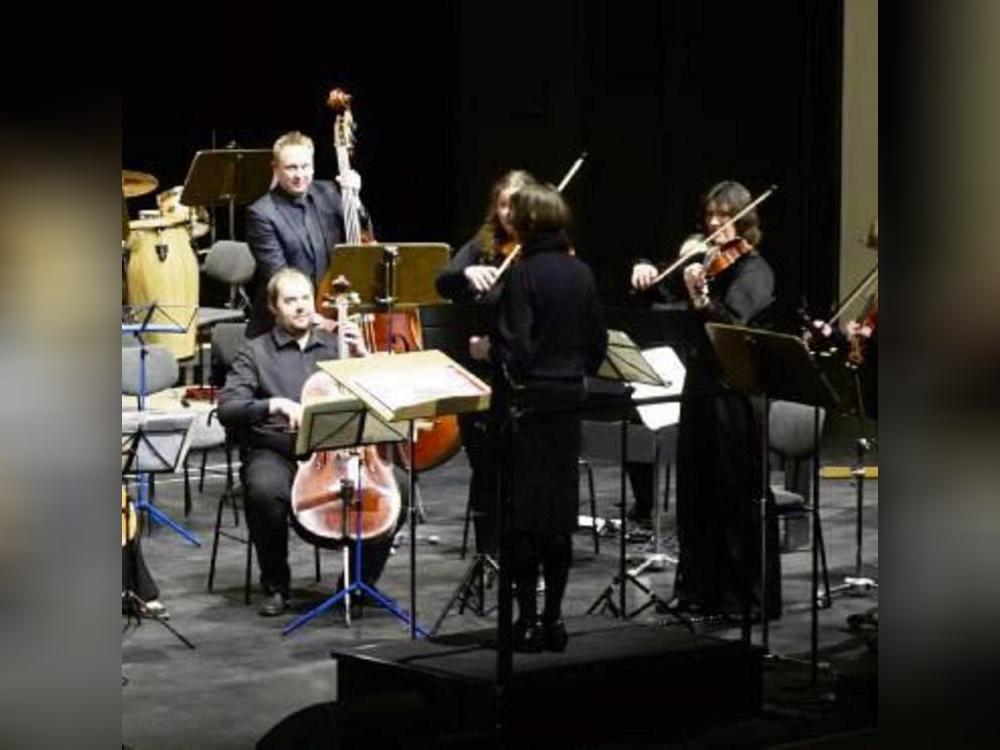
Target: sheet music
417,388
668,366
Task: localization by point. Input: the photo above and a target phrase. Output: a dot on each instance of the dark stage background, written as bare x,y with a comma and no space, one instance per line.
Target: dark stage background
667,97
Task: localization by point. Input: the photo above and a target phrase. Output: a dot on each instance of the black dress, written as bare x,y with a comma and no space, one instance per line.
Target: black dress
550,334
718,461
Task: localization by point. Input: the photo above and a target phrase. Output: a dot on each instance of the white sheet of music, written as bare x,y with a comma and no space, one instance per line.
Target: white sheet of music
669,367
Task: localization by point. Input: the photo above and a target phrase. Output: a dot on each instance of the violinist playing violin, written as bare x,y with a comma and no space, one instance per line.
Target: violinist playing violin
718,470
859,338
260,402
472,277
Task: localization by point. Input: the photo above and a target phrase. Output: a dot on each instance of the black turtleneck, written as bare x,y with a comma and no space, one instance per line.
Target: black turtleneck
550,325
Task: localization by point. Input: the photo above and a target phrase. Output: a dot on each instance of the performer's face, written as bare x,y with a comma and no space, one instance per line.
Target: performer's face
293,169
504,214
293,308
715,217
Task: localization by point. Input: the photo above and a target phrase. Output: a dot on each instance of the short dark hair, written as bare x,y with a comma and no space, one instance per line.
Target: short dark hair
537,209
731,197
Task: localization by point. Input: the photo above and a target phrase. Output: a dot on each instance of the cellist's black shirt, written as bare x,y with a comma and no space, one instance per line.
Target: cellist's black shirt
270,366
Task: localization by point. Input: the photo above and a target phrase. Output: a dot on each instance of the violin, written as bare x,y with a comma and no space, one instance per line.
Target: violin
730,252
724,256
859,341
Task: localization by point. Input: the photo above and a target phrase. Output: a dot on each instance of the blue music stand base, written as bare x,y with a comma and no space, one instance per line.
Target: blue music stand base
355,588
162,518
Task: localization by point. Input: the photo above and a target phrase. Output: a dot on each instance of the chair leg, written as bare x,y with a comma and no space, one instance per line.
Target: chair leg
593,506
201,479
246,580
187,489
318,575
215,541
828,598
231,483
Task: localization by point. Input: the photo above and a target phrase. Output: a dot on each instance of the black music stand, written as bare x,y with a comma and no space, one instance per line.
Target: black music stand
227,177
776,366
624,363
402,388
152,443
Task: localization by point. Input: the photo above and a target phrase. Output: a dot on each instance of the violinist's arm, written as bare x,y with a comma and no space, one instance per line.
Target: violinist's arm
452,282
643,275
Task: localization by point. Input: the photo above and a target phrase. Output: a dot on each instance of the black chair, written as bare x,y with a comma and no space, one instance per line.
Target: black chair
227,340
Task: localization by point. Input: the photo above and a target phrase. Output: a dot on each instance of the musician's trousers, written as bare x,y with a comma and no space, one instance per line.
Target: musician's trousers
267,477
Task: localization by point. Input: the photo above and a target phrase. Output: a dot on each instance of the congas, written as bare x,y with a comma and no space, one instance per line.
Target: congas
162,268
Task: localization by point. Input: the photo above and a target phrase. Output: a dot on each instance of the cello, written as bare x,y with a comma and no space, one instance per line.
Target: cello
437,439
328,477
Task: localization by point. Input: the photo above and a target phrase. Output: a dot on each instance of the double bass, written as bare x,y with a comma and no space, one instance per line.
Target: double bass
438,439
328,477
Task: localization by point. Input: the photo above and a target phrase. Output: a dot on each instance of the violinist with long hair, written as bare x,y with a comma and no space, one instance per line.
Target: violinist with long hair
471,277
718,458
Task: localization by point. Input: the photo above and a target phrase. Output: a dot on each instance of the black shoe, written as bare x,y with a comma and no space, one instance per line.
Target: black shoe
273,605
529,638
555,636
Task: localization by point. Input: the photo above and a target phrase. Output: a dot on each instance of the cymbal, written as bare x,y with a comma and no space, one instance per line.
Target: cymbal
135,184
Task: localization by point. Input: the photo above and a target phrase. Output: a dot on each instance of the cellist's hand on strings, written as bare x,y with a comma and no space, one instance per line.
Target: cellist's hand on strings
290,410
643,276
352,333
350,180
481,278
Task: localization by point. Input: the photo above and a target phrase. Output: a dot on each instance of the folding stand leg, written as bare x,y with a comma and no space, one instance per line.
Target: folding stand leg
616,589
350,494
473,577
159,516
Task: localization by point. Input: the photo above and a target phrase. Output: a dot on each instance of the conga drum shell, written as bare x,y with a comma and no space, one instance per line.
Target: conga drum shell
162,268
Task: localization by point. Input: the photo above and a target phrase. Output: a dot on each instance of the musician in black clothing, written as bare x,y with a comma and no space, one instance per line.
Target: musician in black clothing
471,278
549,334
718,451
260,403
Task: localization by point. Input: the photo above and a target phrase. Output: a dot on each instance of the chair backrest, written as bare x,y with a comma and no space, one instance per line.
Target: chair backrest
227,340
161,369
230,262
791,431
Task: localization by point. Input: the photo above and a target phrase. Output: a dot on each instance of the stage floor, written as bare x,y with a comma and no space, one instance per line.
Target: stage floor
244,677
